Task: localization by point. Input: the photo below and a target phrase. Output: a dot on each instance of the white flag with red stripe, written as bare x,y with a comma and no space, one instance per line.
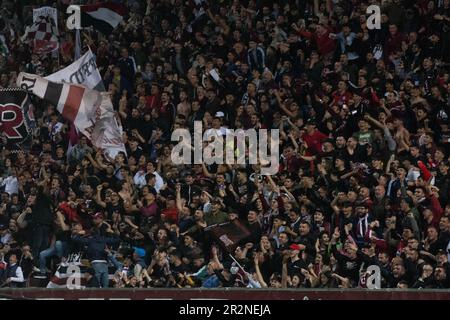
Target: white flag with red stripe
91,111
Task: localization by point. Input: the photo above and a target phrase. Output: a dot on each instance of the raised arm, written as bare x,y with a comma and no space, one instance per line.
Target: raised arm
61,220
21,222
258,273
98,197
206,172
374,121
284,273
93,162
178,197
275,188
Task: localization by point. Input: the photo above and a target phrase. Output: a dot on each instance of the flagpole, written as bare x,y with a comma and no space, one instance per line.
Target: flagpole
73,132
59,62
77,44
231,256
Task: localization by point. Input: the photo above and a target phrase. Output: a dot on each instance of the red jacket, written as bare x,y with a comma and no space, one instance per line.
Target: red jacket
70,213
325,45
341,99
436,208
393,44
382,246
314,141
171,214
153,102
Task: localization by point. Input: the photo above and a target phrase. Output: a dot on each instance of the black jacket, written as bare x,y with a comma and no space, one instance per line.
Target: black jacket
42,209
96,245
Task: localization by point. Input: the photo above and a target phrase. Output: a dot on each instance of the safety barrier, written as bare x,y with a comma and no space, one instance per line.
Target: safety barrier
223,293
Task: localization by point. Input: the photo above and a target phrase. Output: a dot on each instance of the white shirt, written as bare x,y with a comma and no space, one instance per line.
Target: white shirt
207,207
140,182
139,179
413,174
19,275
11,184
159,181
5,238
252,283
448,251
54,129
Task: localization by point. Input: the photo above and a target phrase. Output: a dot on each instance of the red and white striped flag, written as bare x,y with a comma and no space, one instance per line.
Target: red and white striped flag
91,111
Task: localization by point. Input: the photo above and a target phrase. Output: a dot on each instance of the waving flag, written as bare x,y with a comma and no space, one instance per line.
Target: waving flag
15,114
91,111
42,35
84,71
104,17
44,12
229,234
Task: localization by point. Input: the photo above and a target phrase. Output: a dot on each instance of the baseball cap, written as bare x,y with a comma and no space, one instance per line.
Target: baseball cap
220,114
139,251
189,173
295,246
99,215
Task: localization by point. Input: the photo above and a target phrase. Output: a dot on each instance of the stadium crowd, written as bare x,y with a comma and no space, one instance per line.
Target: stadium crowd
364,154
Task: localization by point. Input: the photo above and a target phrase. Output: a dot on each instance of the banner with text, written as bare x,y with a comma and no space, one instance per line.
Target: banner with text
83,71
